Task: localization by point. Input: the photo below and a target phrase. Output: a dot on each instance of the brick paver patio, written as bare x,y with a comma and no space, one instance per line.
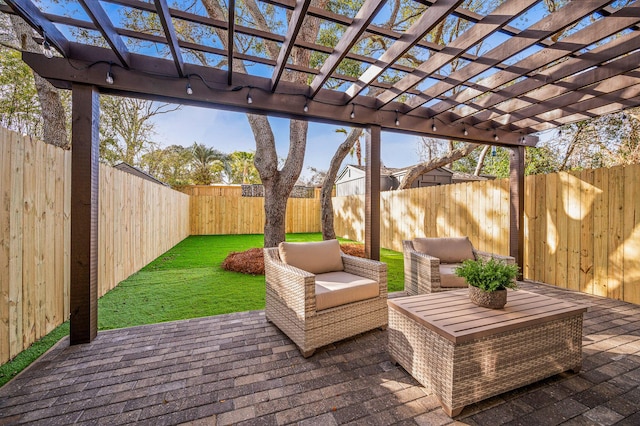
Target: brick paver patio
239,369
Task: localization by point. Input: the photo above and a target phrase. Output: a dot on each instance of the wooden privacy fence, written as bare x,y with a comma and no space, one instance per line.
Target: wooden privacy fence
245,215
477,209
138,221
582,230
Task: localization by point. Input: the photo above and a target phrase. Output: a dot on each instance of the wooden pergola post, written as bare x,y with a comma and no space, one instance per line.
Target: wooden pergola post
372,194
516,210
84,214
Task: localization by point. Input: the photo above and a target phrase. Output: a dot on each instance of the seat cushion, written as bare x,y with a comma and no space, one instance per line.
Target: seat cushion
339,288
317,257
448,250
448,277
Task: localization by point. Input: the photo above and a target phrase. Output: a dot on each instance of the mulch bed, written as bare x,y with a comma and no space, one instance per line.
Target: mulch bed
252,261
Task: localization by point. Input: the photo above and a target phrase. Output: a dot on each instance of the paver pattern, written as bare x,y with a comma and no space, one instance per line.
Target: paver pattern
240,369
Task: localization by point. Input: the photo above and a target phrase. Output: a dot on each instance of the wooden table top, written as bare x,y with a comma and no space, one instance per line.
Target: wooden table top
452,315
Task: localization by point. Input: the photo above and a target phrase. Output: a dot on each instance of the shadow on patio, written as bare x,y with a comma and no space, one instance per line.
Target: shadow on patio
239,369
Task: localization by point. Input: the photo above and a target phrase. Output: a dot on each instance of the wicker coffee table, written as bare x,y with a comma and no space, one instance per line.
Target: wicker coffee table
464,353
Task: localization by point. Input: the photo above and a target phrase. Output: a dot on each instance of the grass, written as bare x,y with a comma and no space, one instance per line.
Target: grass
185,282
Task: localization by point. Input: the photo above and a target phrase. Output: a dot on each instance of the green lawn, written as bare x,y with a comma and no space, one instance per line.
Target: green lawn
185,282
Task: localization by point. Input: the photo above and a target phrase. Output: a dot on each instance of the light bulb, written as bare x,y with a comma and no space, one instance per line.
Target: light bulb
306,107
465,131
249,99
495,137
352,115
433,127
397,122
189,89
46,49
109,78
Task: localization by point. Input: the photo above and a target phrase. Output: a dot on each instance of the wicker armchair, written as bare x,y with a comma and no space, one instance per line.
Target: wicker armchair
423,273
291,303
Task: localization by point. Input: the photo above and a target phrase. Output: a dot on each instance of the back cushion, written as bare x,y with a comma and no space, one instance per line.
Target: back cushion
448,250
316,257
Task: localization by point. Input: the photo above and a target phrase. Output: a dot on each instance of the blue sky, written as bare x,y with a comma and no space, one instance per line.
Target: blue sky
230,131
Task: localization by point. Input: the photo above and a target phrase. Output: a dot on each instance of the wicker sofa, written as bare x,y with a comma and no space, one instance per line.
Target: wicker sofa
321,307
429,263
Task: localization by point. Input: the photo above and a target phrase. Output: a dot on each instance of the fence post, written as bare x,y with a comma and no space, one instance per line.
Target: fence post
84,214
516,209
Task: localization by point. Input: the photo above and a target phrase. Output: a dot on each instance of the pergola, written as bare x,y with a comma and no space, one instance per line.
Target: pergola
514,71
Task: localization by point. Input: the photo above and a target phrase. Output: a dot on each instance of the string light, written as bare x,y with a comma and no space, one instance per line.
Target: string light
397,119
495,137
465,131
46,47
306,107
249,98
433,126
189,89
353,111
109,78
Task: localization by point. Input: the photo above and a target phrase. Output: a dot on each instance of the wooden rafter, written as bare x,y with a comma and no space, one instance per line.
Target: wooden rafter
231,29
587,36
570,89
34,17
520,96
476,34
540,112
546,27
434,15
482,110
108,31
297,18
170,33
287,102
351,36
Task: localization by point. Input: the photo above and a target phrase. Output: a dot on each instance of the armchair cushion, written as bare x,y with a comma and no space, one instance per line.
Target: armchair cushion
448,250
316,257
448,277
339,288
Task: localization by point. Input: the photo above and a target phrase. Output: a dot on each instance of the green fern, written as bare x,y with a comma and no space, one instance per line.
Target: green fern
488,276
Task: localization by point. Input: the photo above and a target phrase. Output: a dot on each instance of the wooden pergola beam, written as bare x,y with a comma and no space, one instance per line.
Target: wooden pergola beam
231,29
599,81
297,18
350,37
162,9
435,14
106,28
328,107
546,27
599,30
34,17
616,100
481,111
476,34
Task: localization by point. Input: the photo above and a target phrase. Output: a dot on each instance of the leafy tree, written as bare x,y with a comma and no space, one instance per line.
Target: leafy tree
19,106
53,127
207,164
240,168
171,165
126,128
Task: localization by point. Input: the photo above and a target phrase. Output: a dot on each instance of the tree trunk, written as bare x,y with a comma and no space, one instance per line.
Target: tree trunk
53,114
452,156
328,232
483,155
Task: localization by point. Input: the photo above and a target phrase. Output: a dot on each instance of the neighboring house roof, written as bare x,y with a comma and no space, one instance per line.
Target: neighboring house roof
126,167
399,172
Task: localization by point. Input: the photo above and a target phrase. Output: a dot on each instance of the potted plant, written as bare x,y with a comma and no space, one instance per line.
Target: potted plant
488,281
